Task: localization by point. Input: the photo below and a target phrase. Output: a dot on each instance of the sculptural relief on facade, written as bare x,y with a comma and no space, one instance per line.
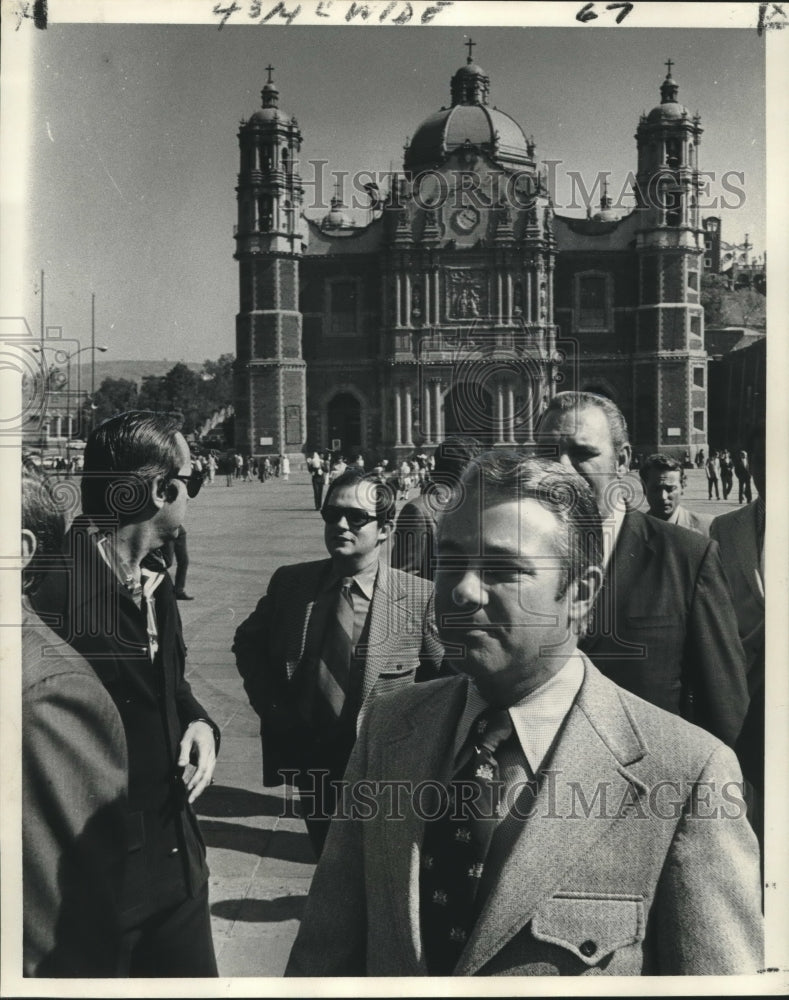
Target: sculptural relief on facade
467,294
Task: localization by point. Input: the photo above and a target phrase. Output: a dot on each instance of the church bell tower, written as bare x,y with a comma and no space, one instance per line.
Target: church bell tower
669,360
270,390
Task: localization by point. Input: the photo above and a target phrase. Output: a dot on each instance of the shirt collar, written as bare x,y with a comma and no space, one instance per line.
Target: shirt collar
536,718
364,580
150,577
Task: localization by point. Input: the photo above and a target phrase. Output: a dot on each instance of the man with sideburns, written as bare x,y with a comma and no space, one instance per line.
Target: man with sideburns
664,626
112,600
547,821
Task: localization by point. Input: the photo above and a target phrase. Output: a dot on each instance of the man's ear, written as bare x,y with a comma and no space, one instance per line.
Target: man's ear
384,531
583,593
623,459
29,546
159,491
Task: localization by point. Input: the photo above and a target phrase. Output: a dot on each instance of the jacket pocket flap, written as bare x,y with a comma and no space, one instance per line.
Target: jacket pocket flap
591,927
400,670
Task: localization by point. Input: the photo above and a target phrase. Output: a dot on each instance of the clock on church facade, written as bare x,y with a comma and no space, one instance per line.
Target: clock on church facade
467,301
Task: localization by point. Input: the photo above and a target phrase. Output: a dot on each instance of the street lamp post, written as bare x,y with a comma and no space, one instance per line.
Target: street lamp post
90,347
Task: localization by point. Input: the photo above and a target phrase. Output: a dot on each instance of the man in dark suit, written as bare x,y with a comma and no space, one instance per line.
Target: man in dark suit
740,534
664,626
287,650
112,600
530,817
73,781
664,485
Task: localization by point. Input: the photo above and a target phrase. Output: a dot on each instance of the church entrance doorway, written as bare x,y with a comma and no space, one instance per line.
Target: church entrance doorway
345,423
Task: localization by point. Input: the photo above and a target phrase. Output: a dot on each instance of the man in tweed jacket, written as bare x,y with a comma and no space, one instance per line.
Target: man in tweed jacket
278,646
623,846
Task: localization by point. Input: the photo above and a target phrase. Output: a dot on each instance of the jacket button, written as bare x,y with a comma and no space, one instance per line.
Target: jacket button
588,948
175,851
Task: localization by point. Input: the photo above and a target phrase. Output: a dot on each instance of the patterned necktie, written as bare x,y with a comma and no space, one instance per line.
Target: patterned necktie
456,844
334,663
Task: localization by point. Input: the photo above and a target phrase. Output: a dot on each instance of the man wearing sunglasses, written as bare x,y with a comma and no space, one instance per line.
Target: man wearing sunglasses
112,601
327,638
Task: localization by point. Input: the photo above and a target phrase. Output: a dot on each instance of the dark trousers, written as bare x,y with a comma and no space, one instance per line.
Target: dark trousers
318,802
176,942
181,561
712,484
745,490
317,490
726,482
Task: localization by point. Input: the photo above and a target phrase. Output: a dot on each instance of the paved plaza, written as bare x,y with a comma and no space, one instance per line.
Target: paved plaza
260,858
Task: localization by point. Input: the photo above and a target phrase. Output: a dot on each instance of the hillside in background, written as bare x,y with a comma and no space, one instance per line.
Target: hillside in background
132,370
732,307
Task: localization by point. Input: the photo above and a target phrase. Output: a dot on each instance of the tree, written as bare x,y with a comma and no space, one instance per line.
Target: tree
217,377
727,307
713,288
114,395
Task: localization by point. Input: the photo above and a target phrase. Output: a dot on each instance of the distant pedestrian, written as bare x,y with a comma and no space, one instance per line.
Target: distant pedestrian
239,460
284,464
176,553
315,466
727,472
337,468
742,470
211,466
700,458
713,467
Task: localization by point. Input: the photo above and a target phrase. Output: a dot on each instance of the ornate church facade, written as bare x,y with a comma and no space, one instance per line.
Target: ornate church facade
467,301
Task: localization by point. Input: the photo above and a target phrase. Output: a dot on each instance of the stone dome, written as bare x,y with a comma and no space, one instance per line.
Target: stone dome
471,120
669,108
338,216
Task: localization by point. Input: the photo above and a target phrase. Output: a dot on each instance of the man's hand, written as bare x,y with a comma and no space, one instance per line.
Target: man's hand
198,741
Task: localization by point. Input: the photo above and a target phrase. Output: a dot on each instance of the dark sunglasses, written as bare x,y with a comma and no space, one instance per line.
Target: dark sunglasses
356,518
193,482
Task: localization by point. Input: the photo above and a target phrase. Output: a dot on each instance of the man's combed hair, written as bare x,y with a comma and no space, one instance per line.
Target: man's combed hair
385,501
663,463
122,455
43,517
502,476
570,400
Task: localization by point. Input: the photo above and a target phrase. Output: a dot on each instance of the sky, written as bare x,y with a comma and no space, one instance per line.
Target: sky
133,150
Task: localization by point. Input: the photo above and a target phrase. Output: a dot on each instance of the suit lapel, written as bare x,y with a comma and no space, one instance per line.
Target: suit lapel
305,630
596,745
629,560
390,621
747,552
421,749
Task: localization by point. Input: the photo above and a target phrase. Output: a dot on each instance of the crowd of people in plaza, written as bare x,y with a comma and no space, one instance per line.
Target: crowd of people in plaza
498,695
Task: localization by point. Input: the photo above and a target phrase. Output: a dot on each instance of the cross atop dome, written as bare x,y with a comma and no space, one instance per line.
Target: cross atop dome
269,94
470,85
668,89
